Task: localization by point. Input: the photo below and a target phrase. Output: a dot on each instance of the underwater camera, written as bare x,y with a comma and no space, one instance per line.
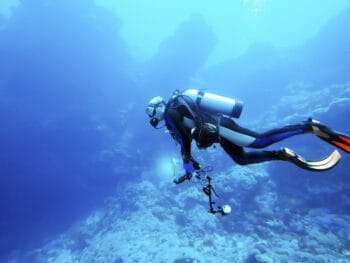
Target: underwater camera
209,191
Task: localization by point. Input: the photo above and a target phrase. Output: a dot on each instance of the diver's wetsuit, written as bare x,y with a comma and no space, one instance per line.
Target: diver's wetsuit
260,140
231,137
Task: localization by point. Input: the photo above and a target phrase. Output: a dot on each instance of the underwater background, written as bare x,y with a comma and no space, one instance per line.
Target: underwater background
85,178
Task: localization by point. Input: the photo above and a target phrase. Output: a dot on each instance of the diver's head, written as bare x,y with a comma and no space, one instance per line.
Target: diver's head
155,110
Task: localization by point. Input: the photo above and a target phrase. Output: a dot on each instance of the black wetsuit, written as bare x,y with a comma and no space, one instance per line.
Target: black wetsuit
174,119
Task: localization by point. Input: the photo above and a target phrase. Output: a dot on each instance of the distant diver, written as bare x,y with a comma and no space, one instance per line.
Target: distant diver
207,119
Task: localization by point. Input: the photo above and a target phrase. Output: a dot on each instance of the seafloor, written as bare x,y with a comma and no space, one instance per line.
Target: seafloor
163,226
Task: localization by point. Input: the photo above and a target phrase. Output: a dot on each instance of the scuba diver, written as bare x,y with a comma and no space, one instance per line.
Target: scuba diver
207,118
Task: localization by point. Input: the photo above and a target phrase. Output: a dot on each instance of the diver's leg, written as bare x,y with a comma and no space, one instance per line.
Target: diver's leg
241,157
243,137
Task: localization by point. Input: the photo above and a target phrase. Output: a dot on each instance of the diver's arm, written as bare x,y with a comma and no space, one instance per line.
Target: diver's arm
174,122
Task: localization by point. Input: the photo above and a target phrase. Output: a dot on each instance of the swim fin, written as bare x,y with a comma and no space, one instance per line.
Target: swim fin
340,140
322,165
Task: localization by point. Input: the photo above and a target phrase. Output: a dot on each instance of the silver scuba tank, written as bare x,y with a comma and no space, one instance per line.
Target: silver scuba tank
215,104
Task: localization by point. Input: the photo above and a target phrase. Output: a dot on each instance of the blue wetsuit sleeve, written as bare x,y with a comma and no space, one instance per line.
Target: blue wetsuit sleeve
173,120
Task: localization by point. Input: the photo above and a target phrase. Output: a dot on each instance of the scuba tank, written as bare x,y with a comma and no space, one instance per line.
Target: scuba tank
215,104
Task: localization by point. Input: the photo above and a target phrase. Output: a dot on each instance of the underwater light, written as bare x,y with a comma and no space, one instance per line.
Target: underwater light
225,210
166,166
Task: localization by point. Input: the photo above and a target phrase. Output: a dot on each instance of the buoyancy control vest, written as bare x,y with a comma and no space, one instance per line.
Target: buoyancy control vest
206,109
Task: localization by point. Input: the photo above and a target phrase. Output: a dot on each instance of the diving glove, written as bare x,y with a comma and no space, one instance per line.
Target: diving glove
183,178
189,167
188,175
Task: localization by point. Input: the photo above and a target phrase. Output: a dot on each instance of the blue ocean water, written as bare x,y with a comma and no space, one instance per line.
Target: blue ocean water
85,178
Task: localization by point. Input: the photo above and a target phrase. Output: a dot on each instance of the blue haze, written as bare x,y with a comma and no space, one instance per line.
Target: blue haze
75,77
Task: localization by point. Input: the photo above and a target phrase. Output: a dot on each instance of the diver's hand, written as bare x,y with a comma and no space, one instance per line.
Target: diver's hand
183,178
189,167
